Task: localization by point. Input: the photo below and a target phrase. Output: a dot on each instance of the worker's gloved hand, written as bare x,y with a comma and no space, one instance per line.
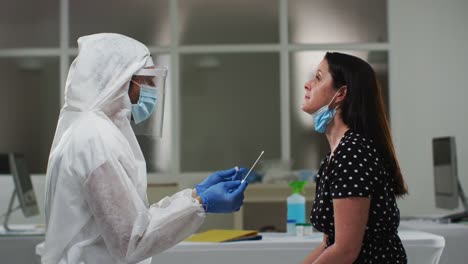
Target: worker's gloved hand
240,175
224,197
217,177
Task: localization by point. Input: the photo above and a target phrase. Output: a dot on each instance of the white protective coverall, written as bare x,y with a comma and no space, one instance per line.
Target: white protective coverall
96,204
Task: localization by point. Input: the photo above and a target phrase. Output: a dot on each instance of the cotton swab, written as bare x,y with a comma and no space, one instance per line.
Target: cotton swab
251,168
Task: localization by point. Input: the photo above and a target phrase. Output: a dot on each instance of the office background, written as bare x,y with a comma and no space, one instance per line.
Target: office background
236,72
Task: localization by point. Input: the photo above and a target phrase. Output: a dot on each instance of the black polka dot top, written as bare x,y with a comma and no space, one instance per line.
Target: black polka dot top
357,170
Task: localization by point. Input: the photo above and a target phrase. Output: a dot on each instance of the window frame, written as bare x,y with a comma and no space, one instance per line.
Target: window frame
284,48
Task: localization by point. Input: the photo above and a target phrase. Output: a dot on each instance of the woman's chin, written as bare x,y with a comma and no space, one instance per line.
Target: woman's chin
304,108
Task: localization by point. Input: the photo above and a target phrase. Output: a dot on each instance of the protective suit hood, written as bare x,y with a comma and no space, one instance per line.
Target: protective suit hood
103,68
98,79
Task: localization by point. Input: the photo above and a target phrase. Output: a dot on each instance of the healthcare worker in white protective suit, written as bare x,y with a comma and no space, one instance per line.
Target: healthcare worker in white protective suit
96,204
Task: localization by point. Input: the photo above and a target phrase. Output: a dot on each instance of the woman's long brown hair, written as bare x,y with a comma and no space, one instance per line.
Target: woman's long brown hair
363,109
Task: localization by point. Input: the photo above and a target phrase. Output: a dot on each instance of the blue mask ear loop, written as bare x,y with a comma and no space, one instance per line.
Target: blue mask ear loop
138,91
336,107
139,85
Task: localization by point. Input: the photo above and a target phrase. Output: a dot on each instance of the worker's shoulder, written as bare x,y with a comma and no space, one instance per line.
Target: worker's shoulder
95,129
91,140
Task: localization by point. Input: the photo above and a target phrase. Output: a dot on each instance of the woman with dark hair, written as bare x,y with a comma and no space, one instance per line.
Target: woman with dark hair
359,180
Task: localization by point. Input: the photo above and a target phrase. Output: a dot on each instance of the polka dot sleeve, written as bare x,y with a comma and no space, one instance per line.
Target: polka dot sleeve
355,172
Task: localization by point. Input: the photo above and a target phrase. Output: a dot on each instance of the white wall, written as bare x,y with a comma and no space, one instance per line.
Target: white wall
428,90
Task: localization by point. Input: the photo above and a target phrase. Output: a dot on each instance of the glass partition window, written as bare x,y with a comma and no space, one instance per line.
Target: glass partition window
229,91
144,20
29,108
337,21
308,147
228,22
27,24
230,110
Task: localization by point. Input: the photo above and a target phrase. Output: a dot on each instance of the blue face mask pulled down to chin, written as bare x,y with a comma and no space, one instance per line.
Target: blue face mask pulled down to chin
323,116
146,103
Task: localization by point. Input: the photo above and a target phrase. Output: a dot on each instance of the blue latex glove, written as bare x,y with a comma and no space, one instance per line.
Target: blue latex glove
215,178
224,197
241,174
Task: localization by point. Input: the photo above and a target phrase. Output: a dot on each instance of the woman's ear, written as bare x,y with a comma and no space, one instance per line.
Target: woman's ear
342,92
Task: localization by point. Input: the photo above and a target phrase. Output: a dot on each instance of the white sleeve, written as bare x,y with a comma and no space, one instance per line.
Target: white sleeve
131,231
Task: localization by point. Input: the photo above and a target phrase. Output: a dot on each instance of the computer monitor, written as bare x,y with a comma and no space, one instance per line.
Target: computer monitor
445,172
16,165
448,189
23,184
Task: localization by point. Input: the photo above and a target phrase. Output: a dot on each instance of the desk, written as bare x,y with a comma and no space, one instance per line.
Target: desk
19,249
456,238
421,248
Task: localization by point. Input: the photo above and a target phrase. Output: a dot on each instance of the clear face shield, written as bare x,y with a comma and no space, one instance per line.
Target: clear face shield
148,112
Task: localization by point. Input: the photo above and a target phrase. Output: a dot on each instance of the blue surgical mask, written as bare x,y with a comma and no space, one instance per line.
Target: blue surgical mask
323,116
146,103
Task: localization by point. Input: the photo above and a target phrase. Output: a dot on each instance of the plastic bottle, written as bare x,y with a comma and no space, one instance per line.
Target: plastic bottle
308,230
291,227
299,230
296,202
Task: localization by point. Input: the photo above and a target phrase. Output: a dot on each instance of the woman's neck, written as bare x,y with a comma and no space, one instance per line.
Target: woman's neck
335,131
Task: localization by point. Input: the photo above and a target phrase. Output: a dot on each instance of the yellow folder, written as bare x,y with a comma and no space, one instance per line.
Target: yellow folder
223,235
